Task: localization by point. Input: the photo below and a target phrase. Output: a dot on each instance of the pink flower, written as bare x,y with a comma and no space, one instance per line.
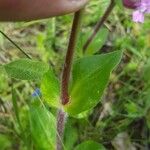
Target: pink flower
138,16
141,7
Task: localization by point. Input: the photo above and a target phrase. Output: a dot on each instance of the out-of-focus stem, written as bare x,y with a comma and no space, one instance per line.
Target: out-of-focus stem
10,40
99,24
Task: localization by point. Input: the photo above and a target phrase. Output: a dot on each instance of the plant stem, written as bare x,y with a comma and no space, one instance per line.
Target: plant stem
10,40
69,58
99,24
61,116
61,119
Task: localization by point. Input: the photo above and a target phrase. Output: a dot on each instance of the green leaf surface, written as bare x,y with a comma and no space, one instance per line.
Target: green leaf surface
90,145
70,135
43,128
2,68
146,72
148,119
98,41
3,81
133,109
50,89
89,79
119,3
15,107
5,142
26,69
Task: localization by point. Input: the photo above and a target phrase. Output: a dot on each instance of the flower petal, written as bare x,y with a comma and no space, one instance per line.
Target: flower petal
138,16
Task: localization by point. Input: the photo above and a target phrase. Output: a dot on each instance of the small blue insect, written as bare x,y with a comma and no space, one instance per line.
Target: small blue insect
36,93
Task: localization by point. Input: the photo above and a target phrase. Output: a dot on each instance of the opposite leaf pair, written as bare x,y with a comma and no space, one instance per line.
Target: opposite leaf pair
90,76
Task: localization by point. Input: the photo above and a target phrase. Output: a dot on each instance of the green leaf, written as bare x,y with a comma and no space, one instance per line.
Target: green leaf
90,77
72,133
5,142
2,68
147,116
15,106
26,69
90,145
50,88
119,3
146,71
3,80
43,128
98,41
133,110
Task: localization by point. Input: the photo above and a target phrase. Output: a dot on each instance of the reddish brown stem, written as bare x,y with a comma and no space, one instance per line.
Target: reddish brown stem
69,58
99,24
61,116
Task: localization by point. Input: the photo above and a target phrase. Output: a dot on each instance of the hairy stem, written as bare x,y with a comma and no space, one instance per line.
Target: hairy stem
69,58
61,116
99,24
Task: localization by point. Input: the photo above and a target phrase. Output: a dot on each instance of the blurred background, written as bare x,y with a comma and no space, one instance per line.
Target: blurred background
121,121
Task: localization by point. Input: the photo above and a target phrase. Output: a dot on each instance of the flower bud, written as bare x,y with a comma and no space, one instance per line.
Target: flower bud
132,4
